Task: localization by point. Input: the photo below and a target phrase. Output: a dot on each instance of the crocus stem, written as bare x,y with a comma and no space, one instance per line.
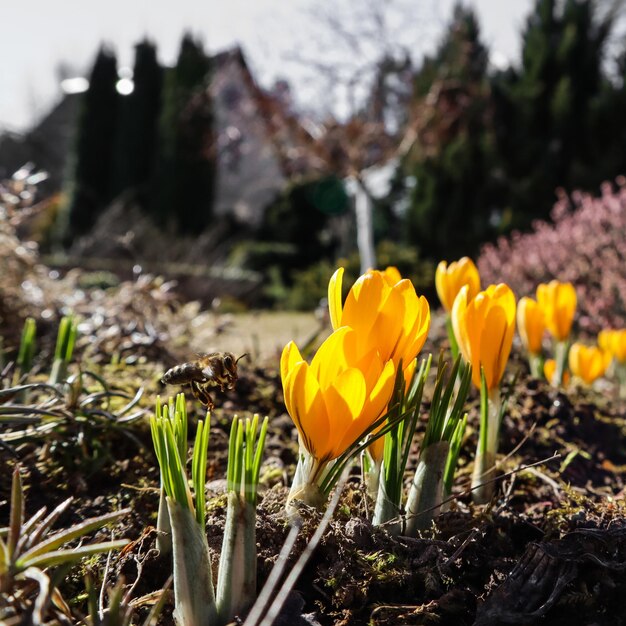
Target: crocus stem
453,456
454,346
236,582
483,491
560,356
385,508
303,470
426,492
371,474
58,371
164,527
308,493
620,368
536,365
193,582
483,486
305,486
66,337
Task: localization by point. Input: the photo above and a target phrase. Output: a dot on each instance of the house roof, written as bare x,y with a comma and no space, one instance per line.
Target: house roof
47,144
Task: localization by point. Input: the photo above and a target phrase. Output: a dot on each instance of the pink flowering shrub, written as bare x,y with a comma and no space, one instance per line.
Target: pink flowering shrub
584,244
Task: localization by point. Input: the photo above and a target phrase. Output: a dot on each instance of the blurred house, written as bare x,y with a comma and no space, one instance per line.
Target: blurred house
261,143
47,145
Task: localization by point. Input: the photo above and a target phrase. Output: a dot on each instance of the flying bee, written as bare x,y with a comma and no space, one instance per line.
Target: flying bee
218,369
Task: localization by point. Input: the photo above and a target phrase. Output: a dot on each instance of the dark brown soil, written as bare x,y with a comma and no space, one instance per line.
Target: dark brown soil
551,548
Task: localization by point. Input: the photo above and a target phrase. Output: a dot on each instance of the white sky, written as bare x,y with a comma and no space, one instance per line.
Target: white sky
38,35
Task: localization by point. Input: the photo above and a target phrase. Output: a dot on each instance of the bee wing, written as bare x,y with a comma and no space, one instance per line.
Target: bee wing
208,372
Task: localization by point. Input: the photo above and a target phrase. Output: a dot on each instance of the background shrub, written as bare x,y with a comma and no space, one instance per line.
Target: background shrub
584,244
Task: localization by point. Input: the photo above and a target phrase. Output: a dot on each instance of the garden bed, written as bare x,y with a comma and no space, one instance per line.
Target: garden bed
551,545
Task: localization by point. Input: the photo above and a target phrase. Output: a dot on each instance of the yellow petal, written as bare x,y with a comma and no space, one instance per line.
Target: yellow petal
287,380
506,299
531,324
558,301
335,298
474,326
540,295
522,315
417,325
371,365
588,362
306,406
344,401
386,331
290,356
408,372
605,339
365,299
578,361
380,395
392,275
449,279
374,407
350,386
619,345
294,385
377,447
330,358
493,355
469,276
459,326
565,309
441,284
574,358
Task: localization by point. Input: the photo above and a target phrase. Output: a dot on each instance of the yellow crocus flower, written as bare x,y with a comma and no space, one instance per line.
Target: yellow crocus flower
387,315
614,342
450,278
336,398
484,328
385,312
531,324
549,369
588,362
558,301
605,339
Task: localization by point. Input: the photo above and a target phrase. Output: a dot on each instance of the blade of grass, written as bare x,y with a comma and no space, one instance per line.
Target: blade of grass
57,557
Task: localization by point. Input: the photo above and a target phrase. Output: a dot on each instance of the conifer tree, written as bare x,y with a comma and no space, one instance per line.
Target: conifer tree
451,160
91,185
608,126
136,139
186,162
546,111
